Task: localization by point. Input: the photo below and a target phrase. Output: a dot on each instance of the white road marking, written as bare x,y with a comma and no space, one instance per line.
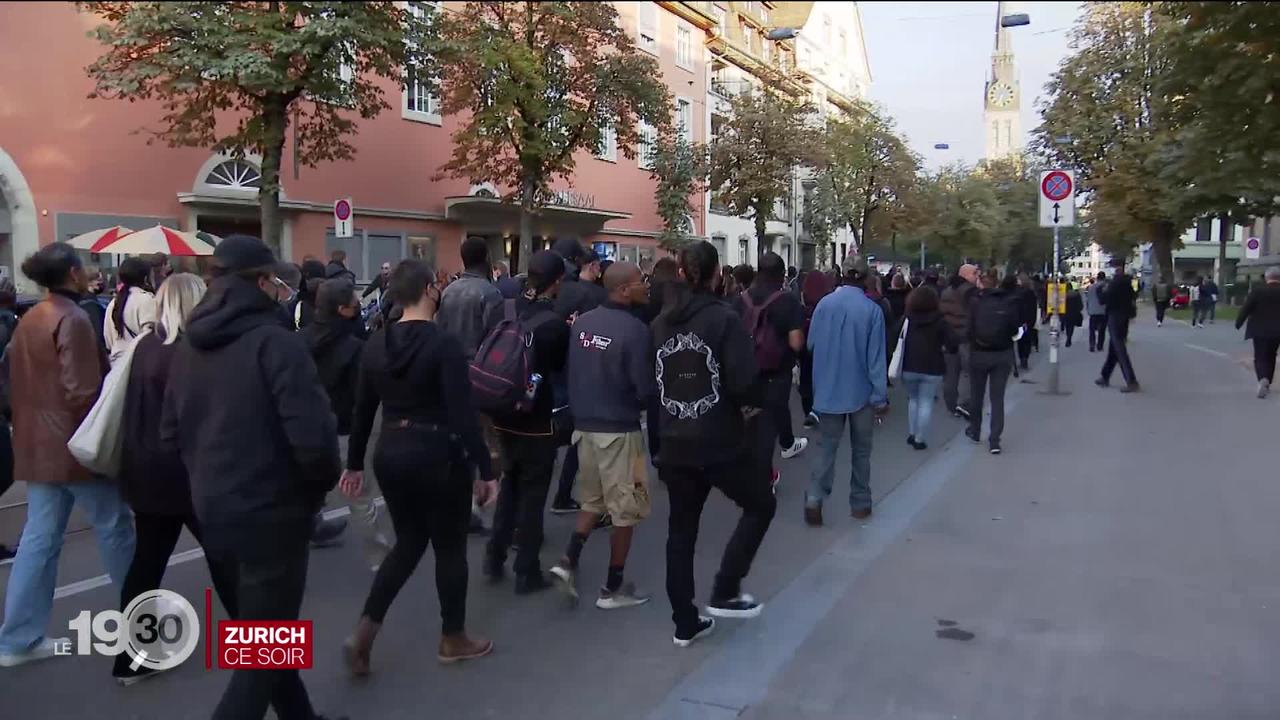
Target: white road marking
93,583
1204,349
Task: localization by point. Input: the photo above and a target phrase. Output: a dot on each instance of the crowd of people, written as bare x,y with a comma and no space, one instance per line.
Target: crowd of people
254,391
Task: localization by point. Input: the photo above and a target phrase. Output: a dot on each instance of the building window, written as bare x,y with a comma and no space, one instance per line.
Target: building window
1204,229
995,134
1008,134
647,27
419,103
608,148
764,14
235,175
747,32
766,49
722,28
645,146
684,118
826,29
684,47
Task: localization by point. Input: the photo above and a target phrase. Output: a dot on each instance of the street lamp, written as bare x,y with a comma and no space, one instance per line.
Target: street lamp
782,33
1015,20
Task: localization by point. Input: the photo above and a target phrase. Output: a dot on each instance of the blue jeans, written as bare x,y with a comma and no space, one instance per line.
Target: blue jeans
921,391
829,432
35,569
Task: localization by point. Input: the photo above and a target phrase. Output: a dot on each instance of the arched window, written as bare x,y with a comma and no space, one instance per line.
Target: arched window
234,174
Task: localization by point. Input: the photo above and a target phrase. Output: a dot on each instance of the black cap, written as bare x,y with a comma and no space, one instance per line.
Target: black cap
569,249
545,267
238,253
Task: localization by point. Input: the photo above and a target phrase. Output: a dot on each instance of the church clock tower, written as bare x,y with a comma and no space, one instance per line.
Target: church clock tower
1002,101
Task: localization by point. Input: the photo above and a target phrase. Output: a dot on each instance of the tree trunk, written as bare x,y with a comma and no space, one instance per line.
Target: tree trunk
761,216
865,230
1225,231
1162,249
275,122
527,197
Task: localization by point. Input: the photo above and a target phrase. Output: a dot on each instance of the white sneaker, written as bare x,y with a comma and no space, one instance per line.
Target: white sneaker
43,650
624,597
796,448
706,626
1159,323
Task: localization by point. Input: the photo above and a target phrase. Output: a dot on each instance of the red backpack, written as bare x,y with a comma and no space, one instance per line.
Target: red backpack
500,371
769,348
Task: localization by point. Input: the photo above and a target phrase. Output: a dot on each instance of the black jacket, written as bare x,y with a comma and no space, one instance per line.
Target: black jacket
1119,298
1028,304
1262,311
1074,317
246,410
417,372
701,424
152,477
610,370
928,336
550,350
336,351
578,296
897,299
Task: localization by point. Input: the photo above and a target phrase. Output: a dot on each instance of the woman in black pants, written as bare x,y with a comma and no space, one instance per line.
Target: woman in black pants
152,478
429,445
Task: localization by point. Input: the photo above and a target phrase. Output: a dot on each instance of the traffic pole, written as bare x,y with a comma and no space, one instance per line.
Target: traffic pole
1055,320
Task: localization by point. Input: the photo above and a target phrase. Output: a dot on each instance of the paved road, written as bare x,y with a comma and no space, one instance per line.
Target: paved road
1113,563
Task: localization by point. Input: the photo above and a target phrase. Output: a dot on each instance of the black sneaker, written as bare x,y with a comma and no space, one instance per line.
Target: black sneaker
743,606
705,627
995,447
532,583
1101,382
811,421
494,568
604,522
962,411
476,526
328,533
565,508
7,554
969,433
133,677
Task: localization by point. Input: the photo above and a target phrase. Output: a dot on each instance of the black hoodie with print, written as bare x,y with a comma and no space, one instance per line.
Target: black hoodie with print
706,372
246,411
418,374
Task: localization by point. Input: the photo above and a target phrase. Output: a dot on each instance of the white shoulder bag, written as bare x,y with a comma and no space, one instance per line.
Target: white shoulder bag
895,363
98,442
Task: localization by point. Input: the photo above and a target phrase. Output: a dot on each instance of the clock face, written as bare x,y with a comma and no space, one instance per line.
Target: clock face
1000,95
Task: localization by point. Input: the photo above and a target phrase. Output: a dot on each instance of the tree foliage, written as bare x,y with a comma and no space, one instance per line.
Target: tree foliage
1119,127
765,137
534,83
869,173
233,76
680,171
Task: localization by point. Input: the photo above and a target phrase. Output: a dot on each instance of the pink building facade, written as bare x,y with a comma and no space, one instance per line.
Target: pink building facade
69,164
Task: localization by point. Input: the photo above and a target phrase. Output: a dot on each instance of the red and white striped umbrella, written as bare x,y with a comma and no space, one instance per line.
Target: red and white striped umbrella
158,239
106,235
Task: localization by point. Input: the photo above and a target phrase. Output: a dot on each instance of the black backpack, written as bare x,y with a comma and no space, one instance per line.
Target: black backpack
993,320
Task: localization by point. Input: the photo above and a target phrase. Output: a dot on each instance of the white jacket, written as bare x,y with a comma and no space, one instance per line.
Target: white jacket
139,310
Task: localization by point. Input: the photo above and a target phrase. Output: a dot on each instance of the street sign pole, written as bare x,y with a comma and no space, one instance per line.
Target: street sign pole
1055,320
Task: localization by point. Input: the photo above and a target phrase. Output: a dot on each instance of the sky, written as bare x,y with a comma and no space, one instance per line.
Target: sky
930,61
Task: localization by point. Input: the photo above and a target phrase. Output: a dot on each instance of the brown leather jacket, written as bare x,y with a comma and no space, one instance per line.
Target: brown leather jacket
55,373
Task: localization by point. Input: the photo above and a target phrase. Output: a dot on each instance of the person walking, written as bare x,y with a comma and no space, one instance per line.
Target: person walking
246,411
1026,298
775,321
954,303
133,307
336,350
337,267
1208,300
1261,312
1097,312
1074,315
153,480
707,387
996,316
464,309
1119,298
611,379
55,371
896,296
850,380
427,455
1161,295
815,286
928,340
528,439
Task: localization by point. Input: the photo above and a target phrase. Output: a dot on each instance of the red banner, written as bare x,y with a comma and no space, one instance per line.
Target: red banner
264,644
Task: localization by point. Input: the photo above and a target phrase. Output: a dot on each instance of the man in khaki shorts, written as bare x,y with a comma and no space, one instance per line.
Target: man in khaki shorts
611,379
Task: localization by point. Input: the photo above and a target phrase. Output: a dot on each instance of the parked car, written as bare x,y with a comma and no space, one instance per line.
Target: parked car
1181,297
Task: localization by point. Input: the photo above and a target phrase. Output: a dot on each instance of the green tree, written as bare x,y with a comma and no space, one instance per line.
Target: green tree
680,171
1107,119
1220,81
967,217
534,83
820,213
754,157
869,169
233,76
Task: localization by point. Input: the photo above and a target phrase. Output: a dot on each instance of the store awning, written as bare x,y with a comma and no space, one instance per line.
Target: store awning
492,215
